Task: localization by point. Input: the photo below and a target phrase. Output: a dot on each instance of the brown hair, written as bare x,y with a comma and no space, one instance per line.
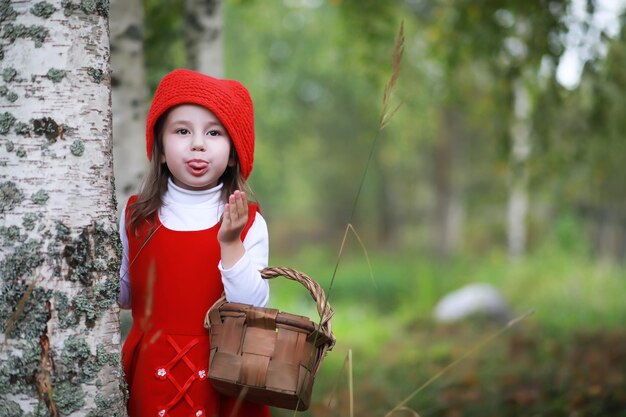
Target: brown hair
154,186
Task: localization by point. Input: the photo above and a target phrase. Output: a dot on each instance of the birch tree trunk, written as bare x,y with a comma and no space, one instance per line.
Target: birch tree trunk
448,208
59,248
518,176
129,97
203,36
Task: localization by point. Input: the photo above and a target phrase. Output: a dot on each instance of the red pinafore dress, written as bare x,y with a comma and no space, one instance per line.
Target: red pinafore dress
174,280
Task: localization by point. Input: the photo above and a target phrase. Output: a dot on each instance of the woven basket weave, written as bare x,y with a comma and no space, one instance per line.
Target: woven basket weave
267,356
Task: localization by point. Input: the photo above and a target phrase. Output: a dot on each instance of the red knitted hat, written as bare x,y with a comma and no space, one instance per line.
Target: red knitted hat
229,100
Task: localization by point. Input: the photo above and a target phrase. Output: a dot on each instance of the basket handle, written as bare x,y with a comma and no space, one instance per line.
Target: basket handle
324,309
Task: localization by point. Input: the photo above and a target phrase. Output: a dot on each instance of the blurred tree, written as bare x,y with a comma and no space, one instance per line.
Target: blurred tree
289,63
203,36
164,41
605,151
59,256
508,40
448,161
318,99
584,149
129,96
372,26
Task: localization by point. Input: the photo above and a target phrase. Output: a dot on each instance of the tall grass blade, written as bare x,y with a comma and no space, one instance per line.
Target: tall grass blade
477,347
240,398
385,116
350,383
410,411
333,391
350,227
146,322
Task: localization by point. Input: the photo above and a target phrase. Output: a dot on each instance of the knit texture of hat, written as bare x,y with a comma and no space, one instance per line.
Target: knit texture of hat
228,100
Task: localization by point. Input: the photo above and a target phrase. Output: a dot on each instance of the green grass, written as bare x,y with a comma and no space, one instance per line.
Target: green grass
566,291
387,323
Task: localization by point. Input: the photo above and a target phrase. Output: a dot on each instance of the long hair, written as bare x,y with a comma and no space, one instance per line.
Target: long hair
154,186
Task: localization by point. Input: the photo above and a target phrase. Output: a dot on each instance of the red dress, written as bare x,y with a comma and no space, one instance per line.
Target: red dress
174,281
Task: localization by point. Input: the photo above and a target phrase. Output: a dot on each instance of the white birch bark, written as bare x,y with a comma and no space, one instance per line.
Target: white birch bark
129,97
59,250
517,211
449,214
204,36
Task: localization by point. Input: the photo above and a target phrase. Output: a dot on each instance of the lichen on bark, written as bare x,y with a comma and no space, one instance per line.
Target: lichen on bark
68,397
48,127
10,196
77,148
10,408
9,74
7,12
6,122
22,128
96,74
40,197
22,303
36,33
43,9
18,371
55,75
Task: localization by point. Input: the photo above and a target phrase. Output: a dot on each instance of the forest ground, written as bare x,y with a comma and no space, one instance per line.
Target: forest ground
567,358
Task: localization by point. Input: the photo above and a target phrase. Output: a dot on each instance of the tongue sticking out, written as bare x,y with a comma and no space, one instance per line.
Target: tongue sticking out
198,164
198,167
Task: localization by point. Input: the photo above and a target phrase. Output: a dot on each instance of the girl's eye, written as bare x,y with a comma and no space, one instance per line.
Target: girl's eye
182,131
213,132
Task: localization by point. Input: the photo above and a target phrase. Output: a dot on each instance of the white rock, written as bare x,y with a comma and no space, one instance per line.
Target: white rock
480,299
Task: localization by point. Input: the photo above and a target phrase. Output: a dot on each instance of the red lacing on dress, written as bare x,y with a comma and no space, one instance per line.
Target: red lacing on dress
163,373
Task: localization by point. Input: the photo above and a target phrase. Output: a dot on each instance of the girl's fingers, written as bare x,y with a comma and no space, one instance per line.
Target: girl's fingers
234,207
235,210
234,217
238,205
242,204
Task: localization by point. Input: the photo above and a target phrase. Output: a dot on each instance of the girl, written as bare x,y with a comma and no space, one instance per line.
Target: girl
189,235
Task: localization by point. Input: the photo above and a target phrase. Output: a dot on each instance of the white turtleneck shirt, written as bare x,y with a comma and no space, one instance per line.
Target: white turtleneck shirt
186,210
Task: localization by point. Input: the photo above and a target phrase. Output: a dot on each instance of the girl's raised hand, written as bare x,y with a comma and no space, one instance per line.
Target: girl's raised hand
234,218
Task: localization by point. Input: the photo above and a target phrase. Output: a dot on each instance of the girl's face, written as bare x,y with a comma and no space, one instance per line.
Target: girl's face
196,147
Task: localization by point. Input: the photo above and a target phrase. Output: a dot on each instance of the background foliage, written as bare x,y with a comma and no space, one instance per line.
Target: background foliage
316,71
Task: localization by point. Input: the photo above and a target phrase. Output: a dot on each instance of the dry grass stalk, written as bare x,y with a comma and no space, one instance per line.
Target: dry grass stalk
385,116
398,51
333,391
477,347
350,383
350,227
146,322
19,310
347,364
410,411
240,398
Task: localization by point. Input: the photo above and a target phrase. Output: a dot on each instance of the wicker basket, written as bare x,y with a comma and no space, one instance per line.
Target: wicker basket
267,356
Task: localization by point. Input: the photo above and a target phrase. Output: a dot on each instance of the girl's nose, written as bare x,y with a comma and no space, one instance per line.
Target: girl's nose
197,144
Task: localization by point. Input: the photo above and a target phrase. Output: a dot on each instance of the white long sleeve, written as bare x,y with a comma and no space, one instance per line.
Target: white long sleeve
185,210
124,297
